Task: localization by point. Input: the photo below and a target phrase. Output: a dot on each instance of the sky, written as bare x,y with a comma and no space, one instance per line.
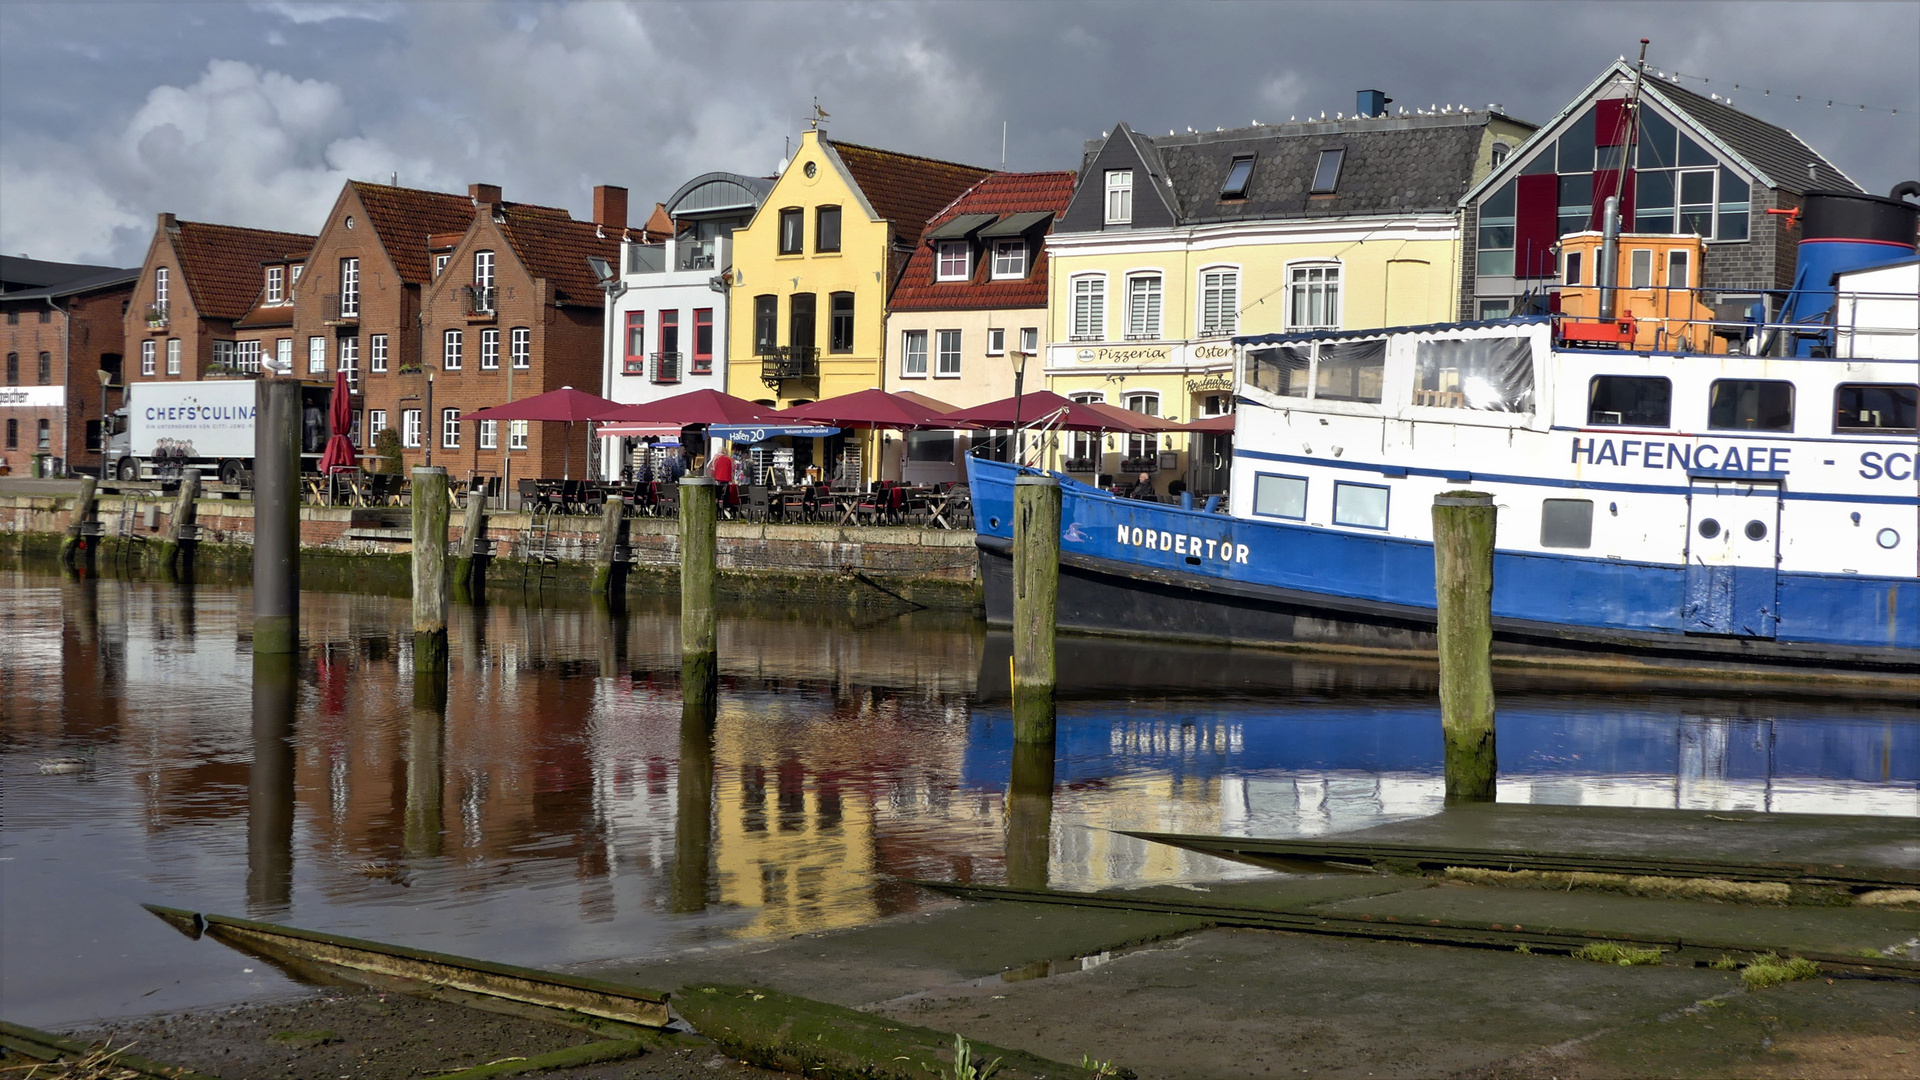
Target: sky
255,113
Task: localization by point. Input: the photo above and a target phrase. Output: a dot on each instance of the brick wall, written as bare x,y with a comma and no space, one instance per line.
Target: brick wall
82,335
183,320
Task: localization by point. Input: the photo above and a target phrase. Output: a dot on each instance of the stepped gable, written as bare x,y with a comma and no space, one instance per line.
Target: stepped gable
906,189
1001,194
557,248
405,218
222,263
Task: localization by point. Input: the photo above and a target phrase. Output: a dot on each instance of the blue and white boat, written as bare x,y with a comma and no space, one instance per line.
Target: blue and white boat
1748,510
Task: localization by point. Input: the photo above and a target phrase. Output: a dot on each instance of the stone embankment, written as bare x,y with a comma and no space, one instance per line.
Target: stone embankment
368,548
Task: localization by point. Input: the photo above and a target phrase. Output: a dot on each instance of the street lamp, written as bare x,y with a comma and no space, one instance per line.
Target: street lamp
106,424
1019,359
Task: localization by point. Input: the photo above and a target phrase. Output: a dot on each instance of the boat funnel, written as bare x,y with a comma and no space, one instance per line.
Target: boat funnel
1841,231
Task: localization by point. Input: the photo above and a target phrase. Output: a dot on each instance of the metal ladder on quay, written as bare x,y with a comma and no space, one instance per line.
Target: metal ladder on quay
128,537
537,549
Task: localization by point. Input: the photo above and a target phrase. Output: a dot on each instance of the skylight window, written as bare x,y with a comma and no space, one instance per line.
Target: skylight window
1326,175
1235,186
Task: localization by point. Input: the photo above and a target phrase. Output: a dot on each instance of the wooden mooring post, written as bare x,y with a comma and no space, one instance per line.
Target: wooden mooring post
1036,592
429,579
182,534
610,564
79,551
470,556
699,588
1463,536
276,516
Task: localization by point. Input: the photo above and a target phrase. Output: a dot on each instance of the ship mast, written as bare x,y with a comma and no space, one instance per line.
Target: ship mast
1610,220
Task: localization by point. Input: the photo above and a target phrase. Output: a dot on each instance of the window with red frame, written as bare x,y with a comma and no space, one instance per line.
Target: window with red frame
636,344
703,340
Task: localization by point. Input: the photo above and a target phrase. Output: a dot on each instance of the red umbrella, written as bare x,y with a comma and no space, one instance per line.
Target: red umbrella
339,453
1058,412
1214,424
870,409
1123,418
694,407
563,406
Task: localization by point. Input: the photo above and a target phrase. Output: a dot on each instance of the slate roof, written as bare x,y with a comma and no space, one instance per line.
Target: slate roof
1780,155
97,278
998,195
905,189
222,263
556,248
21,273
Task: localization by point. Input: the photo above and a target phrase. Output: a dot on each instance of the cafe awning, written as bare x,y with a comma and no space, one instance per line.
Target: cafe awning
1015,224
959,226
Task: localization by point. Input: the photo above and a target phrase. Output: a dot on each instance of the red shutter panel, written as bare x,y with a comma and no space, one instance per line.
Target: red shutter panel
1535,225
1610,122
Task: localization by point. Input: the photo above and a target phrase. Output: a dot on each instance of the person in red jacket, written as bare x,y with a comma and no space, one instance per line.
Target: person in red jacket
722,468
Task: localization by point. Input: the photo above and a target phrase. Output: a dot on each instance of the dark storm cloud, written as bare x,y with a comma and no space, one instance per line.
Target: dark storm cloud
255,113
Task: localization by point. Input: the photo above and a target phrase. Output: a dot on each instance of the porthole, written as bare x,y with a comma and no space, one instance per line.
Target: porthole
993,523
349,221
1756,530
1709,528
810,168
1888,539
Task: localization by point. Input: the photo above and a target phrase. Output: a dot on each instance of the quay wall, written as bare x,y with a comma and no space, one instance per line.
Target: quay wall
369,549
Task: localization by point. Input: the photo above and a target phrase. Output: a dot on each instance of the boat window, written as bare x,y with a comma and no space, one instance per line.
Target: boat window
1874,407
1750,405
1492,374
1566,523
1280,496
1630,401
1284,370
1364,505
1351,370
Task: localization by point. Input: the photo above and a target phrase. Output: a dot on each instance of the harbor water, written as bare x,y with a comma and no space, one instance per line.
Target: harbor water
558,810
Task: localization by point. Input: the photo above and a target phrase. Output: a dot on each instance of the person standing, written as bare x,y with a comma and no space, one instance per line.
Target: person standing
722,470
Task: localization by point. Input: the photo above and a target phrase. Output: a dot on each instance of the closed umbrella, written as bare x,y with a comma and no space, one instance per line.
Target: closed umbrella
339,452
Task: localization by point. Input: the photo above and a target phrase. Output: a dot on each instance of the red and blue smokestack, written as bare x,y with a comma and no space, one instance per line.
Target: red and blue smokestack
1841,231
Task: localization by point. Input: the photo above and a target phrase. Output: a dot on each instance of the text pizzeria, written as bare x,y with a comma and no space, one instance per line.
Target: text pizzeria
1225,551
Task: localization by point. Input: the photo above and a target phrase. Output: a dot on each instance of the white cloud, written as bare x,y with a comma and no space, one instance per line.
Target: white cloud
305,14
63,218
1283,93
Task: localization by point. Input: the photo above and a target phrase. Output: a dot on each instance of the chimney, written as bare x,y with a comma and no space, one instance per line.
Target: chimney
483,194
169,223
1372,103
610,206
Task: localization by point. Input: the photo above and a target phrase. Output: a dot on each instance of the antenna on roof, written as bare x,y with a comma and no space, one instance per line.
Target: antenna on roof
394,181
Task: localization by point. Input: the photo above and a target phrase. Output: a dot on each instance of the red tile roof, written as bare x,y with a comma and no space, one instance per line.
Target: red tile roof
659,225
556,248
406,217
222,263
906,189
1000,194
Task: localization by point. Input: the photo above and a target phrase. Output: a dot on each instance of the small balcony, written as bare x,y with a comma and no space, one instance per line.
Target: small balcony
666,367
340,309
157,316
479,301
787,363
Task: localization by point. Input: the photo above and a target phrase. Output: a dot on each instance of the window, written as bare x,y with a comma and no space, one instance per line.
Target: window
951,261
13,369
410,427
1084,452
223,356
702,340
13,316
1029,340
1491,374
349,288
46,368
520,346
792,226
160,289
147,349
996,341
1496,308
1313,300
1874,407
826,229
1630,401
13,434
246,357
173,356
483,270
1360,505
1326,174
1696,202
350,360
450,429
1219,302
670,338
377,353
1089,308
1143,307
283,355
840,322
452,345
1496,233
1750,405
489,434
1731,221
316,356
1350,370
43,439
1499,154
293,277
1576,201
1677,275
1009,259
440,263
948,342
1571,275
376,422
490,349
766,323
1640,269
276,278
1141,448
1280,496
516,434
636,351
1566,523
1235,185
800,320
913,354
1119,196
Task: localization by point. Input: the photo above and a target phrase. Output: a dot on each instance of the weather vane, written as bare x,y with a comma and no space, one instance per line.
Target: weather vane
819,113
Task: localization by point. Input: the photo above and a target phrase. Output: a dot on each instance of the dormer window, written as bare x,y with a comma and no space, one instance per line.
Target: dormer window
1235,185
276,280
1326,175
293,275
1119,196
1009,259
952,261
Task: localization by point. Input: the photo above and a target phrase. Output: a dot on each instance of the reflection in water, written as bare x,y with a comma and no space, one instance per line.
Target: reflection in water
559,802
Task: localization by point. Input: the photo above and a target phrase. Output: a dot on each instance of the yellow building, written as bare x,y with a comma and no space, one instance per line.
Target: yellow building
1172,246
813,273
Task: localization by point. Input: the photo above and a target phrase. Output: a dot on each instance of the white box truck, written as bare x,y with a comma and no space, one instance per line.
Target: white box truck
170,426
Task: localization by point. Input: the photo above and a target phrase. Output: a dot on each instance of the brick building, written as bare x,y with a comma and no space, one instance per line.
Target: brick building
64,325
197,282
516,311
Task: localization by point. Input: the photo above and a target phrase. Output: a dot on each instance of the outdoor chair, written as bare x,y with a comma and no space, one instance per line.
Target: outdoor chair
668,504
531,499
758,507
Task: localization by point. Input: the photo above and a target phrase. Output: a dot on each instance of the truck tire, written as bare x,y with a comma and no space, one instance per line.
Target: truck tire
129,469
230,472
